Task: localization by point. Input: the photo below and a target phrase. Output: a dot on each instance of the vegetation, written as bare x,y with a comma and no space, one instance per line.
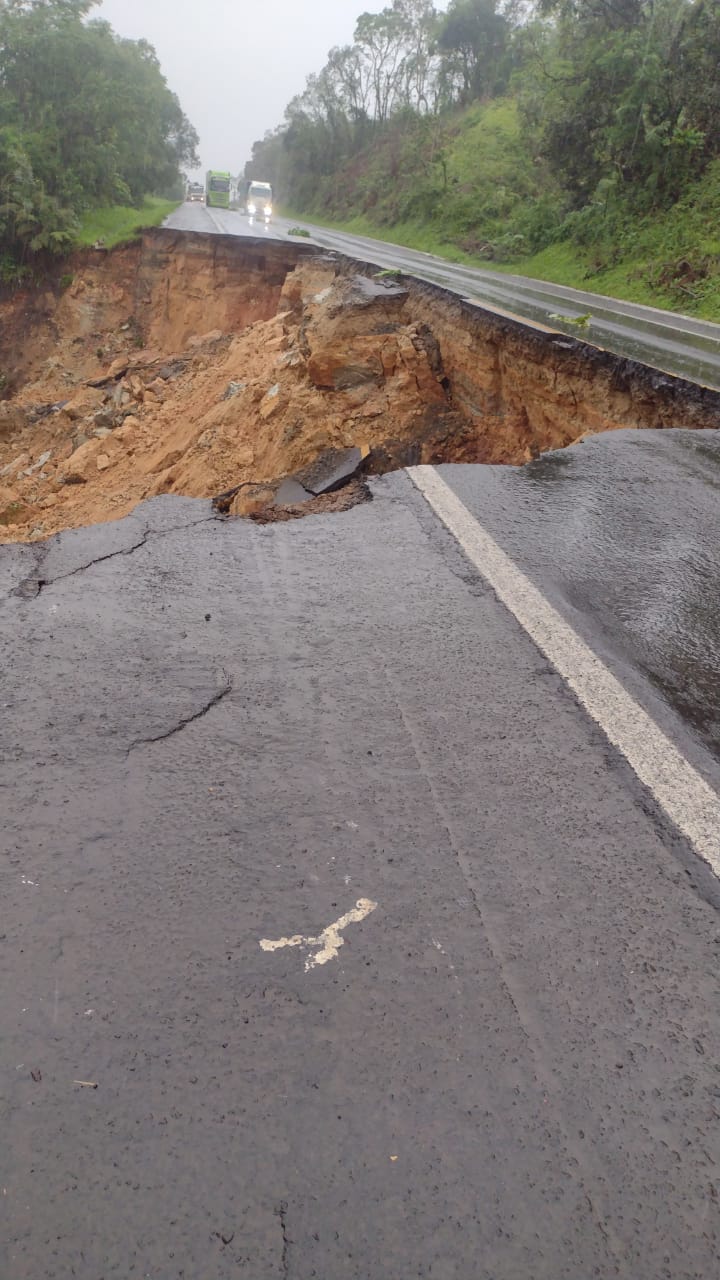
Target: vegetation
86,121
114,224
579,137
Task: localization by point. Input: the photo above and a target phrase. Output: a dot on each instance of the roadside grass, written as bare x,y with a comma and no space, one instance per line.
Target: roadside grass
115,224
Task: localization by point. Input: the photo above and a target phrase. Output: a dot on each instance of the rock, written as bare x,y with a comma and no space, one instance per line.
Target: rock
127,433
103,461
72,477
83,403
16,465
270,402
157,387
290,359
215,335
40,463
101,432
233,389
170,371
79,440
331,470
364,290
105,418
353,363
291,492
120,396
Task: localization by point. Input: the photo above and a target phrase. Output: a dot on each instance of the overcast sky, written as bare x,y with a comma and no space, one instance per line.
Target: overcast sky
235,64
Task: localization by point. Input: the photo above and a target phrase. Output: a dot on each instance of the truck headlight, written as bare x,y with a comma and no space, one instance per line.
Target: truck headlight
268,210
252,208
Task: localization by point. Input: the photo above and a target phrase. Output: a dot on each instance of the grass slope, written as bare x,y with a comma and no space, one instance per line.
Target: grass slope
115,224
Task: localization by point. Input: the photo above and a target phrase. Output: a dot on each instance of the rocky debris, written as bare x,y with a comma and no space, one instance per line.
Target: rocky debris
260,365
233,388
351,495
242,415
16,465
44,410
333,470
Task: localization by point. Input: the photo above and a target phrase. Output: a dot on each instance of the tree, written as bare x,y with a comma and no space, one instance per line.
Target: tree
89,119
473,40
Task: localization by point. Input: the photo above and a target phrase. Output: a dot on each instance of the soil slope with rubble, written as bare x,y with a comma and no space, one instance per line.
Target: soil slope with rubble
188,364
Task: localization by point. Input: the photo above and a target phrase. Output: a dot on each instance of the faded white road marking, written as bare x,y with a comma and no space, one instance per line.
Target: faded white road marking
685,796
329,941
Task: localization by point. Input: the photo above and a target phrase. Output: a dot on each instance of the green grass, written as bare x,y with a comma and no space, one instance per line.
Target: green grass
115,224
562,264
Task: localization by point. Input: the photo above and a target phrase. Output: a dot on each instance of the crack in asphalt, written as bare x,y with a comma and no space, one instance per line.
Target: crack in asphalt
30,588
216,698
281,1212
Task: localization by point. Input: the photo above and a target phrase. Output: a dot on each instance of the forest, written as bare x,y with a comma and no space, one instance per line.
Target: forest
86,120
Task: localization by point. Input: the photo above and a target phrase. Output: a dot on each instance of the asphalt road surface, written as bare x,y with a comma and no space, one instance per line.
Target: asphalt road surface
663,339
359,917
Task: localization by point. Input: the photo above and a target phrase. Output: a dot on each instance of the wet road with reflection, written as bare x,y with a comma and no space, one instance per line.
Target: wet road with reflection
621,533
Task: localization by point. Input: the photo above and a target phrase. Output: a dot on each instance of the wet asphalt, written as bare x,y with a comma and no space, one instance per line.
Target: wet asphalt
666,340
216,735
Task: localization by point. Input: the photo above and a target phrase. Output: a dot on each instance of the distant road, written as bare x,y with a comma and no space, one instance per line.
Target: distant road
665,340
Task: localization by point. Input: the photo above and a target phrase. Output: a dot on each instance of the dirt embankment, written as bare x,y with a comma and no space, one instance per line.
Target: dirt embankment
190,364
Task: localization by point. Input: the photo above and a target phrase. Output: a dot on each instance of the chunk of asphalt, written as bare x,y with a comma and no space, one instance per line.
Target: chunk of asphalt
291,492
330,470
378,288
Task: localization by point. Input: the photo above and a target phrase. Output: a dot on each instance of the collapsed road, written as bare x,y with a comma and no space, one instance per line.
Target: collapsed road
194,364
361,870
678,344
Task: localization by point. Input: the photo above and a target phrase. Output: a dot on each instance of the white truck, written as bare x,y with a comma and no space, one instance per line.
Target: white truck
256,200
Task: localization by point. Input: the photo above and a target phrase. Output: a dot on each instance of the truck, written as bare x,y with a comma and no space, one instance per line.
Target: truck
217,188
256,199
195,191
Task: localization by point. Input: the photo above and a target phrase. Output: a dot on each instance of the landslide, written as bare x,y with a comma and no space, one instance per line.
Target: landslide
192,365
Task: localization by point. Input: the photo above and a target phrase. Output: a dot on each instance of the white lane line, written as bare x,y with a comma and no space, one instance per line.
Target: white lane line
329,941
679,789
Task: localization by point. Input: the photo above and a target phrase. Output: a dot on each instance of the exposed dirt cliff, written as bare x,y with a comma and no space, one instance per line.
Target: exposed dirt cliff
190,364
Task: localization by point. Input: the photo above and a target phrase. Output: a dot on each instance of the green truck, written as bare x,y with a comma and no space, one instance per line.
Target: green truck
217,189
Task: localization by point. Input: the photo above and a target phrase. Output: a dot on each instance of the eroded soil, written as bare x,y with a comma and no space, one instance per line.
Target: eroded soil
192,364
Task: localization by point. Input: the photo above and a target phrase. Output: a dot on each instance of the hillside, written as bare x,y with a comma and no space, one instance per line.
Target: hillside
579,141
481,196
